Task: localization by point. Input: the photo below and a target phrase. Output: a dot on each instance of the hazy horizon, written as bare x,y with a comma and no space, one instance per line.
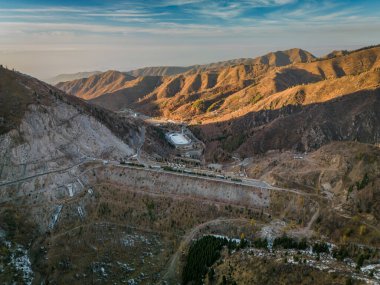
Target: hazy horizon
47,38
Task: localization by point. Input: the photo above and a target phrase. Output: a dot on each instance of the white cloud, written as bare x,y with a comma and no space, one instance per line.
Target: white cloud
8,28
233,9
54,40
48,9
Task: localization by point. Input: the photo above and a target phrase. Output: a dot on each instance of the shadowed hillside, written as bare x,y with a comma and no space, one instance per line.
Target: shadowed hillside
353,117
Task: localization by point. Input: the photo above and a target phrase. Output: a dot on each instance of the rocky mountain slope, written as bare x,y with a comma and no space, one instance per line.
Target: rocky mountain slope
96,85
353,117
43,127
198,78
170,94
259,107
259,87
223,93
50,145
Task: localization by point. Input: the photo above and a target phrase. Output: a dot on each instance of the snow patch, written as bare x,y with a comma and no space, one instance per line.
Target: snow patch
129,240
54,219
21,262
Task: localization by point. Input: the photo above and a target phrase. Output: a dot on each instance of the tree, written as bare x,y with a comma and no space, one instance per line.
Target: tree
360,261
211,274
362,230
202,254
320,247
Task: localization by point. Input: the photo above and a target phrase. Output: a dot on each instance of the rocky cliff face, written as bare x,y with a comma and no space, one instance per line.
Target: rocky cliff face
47,133
50,137
46,136
47,130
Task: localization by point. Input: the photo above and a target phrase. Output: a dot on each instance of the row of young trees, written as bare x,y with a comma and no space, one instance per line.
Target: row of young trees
203,253
290,243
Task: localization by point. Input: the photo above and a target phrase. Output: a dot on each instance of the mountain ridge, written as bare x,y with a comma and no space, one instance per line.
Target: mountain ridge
278,58
70,76
95,85
217,95
291,55
241,109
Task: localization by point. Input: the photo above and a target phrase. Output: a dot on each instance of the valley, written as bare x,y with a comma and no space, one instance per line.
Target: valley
136,206
272,162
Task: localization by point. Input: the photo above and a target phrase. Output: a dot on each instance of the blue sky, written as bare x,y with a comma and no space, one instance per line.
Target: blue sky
45,38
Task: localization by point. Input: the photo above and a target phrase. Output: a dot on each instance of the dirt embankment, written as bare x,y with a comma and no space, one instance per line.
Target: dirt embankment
185,186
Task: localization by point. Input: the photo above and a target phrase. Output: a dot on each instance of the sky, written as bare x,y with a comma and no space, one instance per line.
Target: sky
48,37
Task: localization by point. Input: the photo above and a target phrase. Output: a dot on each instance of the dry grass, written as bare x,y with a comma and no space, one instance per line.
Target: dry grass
243,268
14,100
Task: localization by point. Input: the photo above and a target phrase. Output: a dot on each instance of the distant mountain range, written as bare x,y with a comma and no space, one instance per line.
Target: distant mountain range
278,58
262,89
71,76
138,83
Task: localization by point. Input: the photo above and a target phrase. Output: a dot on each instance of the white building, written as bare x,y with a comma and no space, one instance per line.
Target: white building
179,140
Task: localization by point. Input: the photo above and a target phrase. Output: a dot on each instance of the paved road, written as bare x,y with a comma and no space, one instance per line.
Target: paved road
42,174
242,181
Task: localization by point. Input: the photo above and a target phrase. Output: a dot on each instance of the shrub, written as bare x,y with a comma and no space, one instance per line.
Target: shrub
260,243
321,247
233,142
214,106
104,209
289,243
199,105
